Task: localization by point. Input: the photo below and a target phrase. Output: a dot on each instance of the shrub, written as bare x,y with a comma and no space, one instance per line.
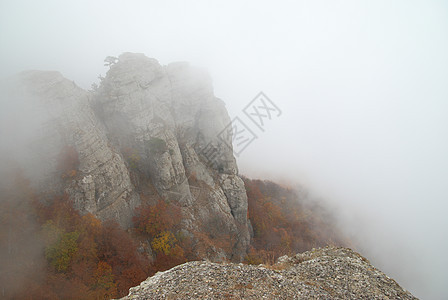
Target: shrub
68,162
153,220
60,253
132,157
164,242
156,145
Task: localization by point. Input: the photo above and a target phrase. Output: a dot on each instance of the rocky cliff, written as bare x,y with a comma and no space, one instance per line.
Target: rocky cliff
59,116
143,118
170,118
326,273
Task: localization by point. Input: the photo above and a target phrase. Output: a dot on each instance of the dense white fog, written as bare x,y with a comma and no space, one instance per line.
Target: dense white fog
362,87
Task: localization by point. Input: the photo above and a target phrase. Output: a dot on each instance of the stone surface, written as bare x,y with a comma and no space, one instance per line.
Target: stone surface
63,117
169,115
327,273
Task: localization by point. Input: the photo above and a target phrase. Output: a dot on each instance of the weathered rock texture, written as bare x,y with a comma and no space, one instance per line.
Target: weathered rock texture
169,119
327,273
61,116
168,116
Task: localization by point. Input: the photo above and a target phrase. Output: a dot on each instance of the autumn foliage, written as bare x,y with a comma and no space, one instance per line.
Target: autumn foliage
50,251
285,223
153,220
160,224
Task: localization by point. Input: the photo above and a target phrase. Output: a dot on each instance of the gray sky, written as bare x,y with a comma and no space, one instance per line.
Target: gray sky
363,87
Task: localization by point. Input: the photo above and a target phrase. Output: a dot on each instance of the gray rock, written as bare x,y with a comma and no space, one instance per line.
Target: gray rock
327,273
64,117
171,115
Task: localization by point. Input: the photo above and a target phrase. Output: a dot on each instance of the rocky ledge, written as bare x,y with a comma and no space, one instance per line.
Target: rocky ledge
326,273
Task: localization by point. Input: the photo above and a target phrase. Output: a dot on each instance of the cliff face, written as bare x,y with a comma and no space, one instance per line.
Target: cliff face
168,117
326,273
62,117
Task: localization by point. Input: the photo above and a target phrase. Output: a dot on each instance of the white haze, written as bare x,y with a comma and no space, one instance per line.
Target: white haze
363,87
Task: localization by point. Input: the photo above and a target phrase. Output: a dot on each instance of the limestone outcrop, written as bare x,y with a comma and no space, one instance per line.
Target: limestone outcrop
169,118
61,117
326,273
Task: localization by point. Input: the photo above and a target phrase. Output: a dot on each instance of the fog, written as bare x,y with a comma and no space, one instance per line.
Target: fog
362,86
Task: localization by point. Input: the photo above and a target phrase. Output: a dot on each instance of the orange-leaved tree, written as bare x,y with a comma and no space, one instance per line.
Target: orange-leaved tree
155,219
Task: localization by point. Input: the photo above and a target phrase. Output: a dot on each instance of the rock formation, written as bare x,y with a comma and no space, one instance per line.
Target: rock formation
326,273
169,118
62,116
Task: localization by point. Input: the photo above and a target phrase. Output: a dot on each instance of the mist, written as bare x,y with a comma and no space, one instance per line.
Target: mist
362,89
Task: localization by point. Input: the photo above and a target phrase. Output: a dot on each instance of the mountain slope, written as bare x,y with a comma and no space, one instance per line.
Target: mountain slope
100,189
145,125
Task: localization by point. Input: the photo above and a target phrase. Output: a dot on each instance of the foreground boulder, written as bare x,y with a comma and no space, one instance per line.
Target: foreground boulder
326,273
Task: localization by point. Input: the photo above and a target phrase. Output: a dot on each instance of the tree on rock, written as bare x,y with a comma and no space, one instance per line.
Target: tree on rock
110,60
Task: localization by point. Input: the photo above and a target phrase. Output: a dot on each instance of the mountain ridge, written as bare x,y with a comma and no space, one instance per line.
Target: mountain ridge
146,119
134,151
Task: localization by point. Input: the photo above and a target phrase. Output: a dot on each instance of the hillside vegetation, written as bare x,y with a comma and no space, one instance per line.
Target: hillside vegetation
49,251
285,222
